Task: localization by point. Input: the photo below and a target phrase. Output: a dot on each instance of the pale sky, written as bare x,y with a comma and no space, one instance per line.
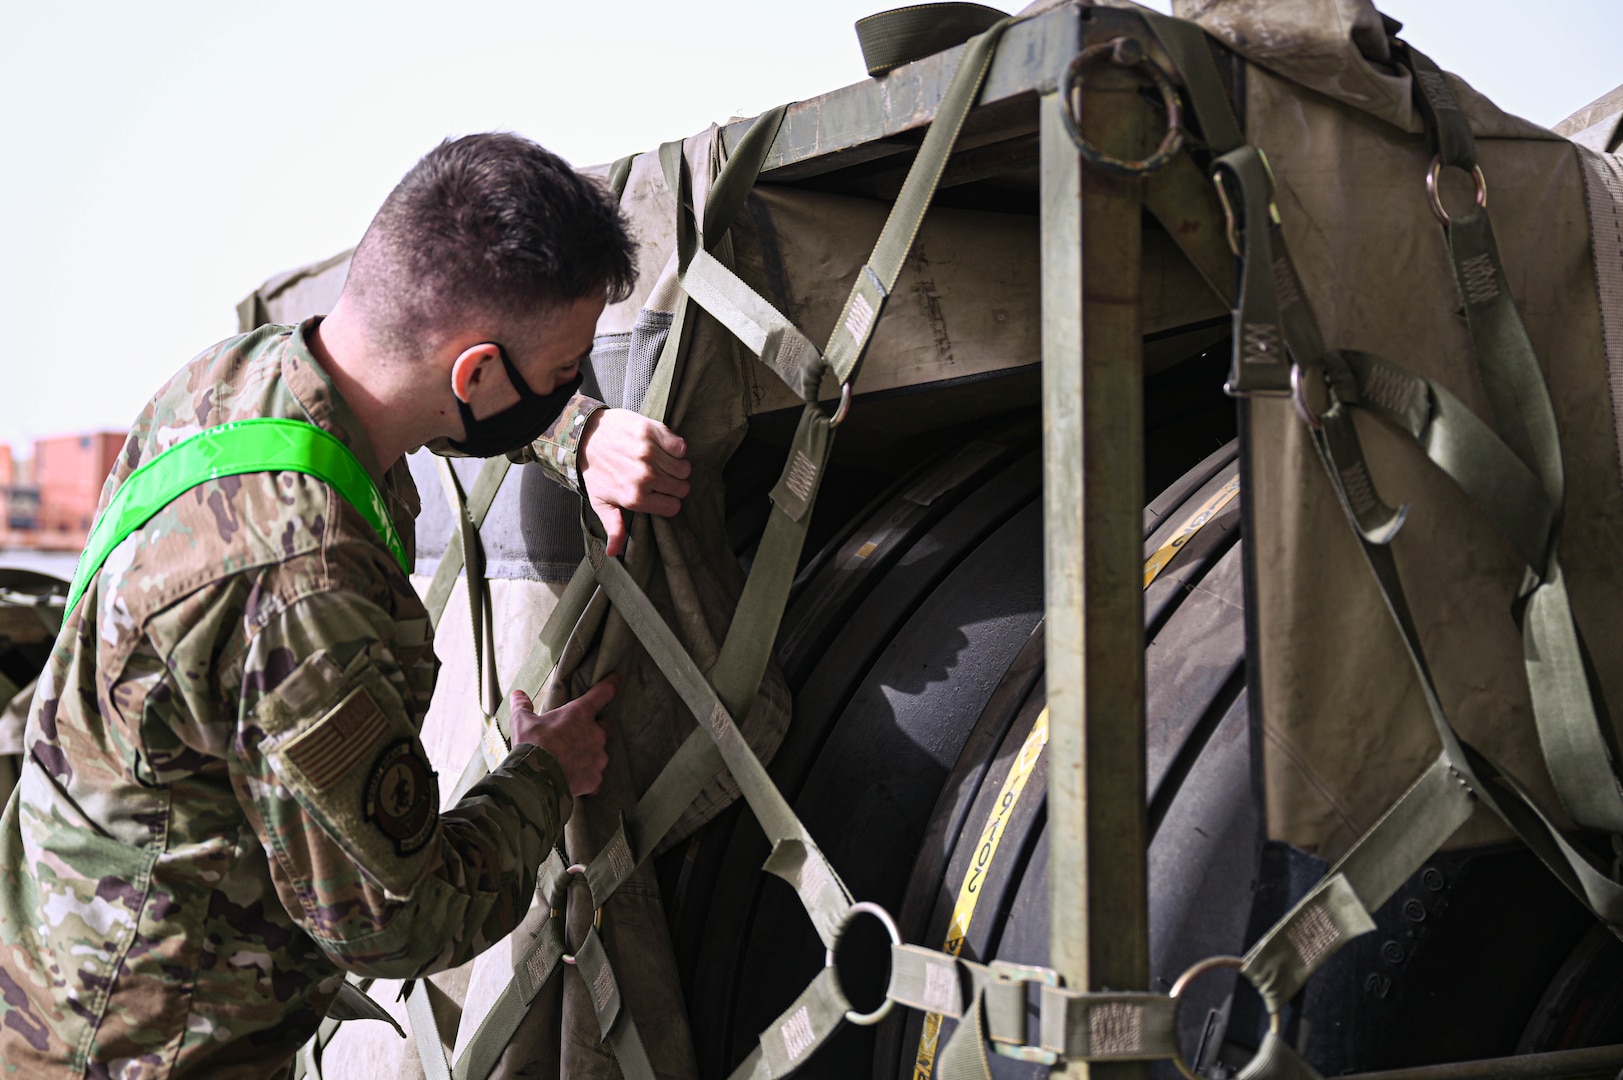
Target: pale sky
167,157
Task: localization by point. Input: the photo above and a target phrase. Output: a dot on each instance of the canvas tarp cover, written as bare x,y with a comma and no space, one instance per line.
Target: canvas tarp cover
1344,723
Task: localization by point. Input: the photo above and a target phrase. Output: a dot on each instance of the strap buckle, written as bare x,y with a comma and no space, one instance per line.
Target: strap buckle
1023,975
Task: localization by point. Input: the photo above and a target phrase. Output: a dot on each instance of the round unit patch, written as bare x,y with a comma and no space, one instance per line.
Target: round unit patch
401,795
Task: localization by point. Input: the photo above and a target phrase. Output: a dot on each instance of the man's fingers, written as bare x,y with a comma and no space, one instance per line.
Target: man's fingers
614,525
600,694
669,464
660,505
668,440
520,700
669,485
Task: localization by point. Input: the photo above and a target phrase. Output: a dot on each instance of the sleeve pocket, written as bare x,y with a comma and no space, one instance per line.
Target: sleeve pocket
358,774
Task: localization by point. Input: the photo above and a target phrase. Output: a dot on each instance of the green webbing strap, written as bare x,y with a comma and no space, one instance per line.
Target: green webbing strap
1462,446
232,449
533,966
487,691
613,1019
1276,1060
795,855
854,328
1341,906
747,647
801,1028
480,496
1191,53
764,330
425,1031
538,662
749,640
890,39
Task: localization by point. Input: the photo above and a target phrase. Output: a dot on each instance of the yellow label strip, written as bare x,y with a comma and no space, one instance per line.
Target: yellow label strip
1186,532
969,890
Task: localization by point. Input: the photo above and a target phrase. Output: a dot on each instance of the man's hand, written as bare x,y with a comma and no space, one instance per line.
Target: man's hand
572,733
629,462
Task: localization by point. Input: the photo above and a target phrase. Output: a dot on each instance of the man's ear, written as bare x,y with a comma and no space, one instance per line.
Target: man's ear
472,370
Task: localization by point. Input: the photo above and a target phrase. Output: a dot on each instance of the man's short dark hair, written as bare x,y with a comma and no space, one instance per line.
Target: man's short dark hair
489,226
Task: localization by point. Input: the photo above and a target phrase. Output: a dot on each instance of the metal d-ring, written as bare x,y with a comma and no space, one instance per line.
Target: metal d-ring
597,917
844,407
1299,399
1435,171
864,907
1123,52
1211,963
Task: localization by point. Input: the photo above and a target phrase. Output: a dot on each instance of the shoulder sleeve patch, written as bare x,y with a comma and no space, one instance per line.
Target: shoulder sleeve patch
332,745
402,796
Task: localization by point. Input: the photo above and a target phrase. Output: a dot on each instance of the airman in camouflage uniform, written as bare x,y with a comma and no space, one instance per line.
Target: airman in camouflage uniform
225,804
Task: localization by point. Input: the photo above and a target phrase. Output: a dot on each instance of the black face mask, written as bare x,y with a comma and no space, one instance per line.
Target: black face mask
514,427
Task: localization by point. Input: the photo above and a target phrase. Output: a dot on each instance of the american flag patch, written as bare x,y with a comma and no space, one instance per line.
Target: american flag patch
338,740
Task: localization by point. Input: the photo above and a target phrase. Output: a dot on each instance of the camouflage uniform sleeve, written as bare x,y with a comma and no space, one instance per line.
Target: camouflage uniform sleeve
559,446
335,781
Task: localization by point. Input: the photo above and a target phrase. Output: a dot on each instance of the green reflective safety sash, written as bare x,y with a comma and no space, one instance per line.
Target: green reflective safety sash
242,446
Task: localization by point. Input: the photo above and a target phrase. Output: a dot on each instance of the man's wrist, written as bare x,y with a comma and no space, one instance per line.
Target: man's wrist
539,763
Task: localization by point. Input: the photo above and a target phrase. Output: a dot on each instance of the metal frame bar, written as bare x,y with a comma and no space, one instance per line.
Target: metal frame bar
1093,482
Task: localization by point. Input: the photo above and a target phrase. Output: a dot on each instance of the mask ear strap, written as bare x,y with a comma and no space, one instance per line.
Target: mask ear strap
525,394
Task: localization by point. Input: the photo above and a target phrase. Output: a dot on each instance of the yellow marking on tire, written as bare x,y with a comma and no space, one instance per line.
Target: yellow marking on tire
969,890
1186,532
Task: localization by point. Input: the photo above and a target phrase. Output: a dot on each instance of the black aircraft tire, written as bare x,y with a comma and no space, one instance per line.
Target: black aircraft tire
914,648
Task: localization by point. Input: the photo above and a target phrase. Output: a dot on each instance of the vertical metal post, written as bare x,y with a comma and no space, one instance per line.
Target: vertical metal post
1093,478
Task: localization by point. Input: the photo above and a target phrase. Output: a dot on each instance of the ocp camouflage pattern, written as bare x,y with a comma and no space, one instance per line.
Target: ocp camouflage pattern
558,448
224,802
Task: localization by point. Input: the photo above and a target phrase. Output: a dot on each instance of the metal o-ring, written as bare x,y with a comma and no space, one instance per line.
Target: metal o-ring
865,907
1124,52
597,916
1435,172
1211,963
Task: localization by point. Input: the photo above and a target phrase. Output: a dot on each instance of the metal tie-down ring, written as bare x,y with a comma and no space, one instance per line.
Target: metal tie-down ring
1211,963
1434,172
864,907
597,917
1123,52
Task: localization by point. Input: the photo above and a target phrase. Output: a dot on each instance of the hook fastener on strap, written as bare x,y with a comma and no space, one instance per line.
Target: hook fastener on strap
1129,53
1299,399
597,916
1434,172
865,907
1211,963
